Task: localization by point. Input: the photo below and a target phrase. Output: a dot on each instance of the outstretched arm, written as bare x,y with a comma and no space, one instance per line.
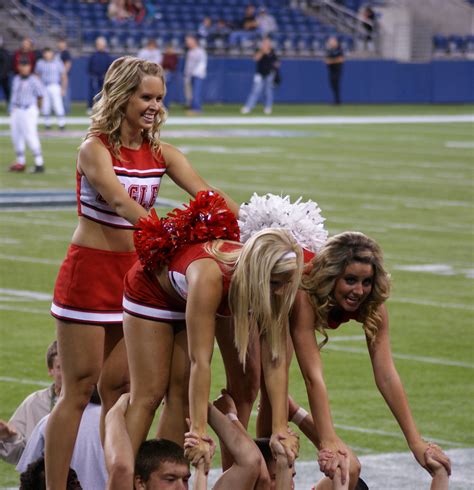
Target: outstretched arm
309,359
184,175
275,374
118,451
204,296
390,386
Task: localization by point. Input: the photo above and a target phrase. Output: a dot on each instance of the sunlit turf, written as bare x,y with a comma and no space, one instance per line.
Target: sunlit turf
408,186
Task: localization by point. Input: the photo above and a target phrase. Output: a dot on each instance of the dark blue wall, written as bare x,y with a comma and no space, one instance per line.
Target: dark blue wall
305,81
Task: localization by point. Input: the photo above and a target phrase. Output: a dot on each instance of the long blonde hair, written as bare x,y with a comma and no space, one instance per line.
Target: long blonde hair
254,307
329,265
121,81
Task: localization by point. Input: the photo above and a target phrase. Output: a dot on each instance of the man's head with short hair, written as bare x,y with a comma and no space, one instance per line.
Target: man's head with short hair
101,43
51,353
34,477
160,465
54,366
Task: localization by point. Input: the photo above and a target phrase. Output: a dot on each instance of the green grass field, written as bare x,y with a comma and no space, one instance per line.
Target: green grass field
409,186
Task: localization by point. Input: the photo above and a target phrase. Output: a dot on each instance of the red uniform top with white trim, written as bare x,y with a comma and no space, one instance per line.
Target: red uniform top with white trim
139,171
188,254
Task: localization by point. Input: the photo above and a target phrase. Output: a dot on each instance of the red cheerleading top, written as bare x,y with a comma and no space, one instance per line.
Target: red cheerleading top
188,254
140,172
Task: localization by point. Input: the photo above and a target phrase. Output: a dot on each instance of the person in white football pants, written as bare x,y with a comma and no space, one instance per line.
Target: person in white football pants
52,73
26,96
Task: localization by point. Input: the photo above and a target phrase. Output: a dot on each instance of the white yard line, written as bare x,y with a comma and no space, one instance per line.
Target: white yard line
18,309
406,201
33,295
435,304
292,120
405,357
31,260
397,435
34,382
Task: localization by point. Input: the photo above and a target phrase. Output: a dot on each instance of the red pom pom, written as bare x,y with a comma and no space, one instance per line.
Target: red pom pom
205,218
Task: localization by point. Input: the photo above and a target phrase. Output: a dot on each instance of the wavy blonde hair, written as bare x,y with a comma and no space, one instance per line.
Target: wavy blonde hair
254,307
121,81
329,265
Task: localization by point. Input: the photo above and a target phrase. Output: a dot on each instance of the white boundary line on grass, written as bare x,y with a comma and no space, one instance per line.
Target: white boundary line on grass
34,295
405,357
398,435
25,381
33,260
290,120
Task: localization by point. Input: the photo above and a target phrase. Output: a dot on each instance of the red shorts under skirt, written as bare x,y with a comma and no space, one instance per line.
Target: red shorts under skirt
144,298
89,286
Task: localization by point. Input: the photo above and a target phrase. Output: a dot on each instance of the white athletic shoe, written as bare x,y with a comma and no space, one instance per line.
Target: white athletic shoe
245,110
267,110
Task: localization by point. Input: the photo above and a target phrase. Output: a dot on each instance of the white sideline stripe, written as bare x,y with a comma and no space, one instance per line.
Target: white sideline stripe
24,381
397,435
347,338
290,120
26,294
32,260
19,309
459,144
407,202
436,304
406,357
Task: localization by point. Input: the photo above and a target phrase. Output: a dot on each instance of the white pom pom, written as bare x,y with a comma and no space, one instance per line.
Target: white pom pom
302,219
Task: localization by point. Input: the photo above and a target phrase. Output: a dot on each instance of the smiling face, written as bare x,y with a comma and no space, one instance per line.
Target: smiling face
143,106
354,286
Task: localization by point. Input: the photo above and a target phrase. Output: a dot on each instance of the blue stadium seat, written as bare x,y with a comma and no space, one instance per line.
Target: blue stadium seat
440,44
456,44
318,43
304,43
347,42
469,42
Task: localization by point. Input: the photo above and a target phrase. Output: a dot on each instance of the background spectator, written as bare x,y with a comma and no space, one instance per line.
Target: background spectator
26,50
205,28
52,73
220,33
15,433
117,11
136,9
195,70
170,65
65,56
334,61
263,80
249,21
367,17
151,52
5,67
266,22
247,27
88,456
26,96
99,62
